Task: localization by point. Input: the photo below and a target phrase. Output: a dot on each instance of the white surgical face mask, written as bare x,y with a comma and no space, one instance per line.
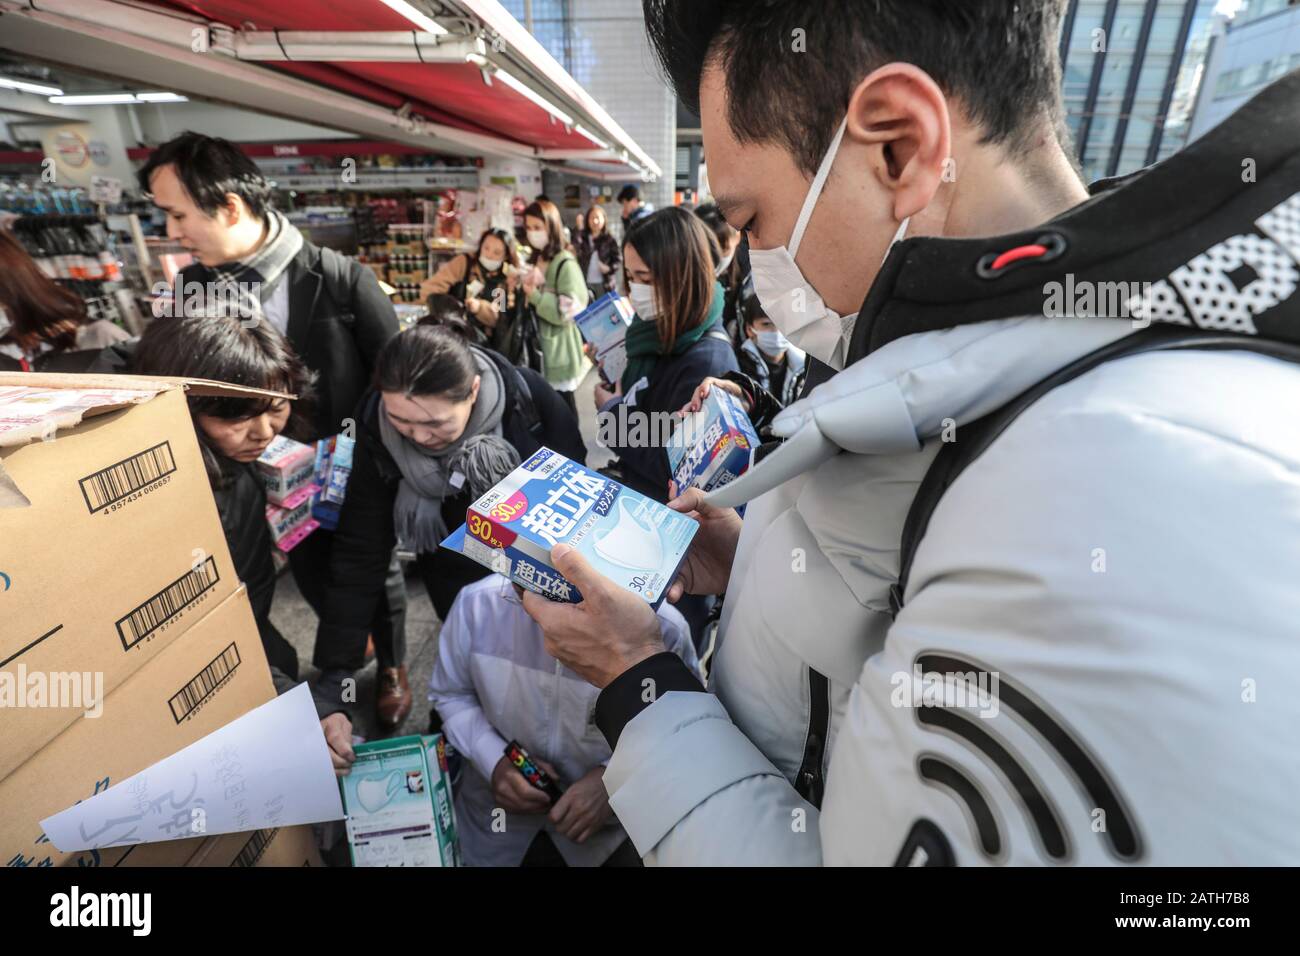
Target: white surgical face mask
491,265
724,264
5,324
771,343
789,299
642,295
537,238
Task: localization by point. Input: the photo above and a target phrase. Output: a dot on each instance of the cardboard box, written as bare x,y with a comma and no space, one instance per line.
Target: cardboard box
286,466
217,673
283,846
110,544
633,540
713,446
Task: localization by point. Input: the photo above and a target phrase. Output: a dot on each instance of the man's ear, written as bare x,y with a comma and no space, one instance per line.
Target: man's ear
902,114
234,209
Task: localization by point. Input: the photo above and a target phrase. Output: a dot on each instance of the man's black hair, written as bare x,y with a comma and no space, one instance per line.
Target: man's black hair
791,66
628,192
209,168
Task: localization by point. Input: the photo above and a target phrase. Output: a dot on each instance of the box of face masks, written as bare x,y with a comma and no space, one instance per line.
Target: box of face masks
398,801
548,500
604,324
286,466
713,446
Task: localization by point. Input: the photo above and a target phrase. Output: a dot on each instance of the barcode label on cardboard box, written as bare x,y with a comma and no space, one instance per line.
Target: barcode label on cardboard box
166,604
188,699
116,483
254,848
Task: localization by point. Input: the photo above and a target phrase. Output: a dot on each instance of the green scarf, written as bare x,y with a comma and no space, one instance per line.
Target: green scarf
643,347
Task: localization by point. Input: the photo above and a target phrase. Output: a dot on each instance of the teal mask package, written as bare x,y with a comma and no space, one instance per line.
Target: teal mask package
398,805
633,540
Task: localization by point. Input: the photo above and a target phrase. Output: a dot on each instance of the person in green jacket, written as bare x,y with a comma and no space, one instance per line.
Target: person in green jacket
557,291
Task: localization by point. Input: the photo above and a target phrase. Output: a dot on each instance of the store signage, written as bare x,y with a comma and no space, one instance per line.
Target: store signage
434,179
98,151
105,189
72,149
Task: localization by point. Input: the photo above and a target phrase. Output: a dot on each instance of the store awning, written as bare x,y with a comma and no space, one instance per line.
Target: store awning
480,81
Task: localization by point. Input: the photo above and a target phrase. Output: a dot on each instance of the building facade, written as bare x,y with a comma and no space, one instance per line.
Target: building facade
603,45
1131,73
1259,44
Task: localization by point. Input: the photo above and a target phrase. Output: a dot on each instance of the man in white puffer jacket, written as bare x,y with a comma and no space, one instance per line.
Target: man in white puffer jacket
1094,658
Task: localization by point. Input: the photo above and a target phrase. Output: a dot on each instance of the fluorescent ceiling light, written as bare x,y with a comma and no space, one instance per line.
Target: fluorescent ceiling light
114,99
26,87
414,15
591,136
537,98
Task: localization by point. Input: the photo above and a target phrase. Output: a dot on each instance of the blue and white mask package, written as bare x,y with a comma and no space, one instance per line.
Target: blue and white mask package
633,540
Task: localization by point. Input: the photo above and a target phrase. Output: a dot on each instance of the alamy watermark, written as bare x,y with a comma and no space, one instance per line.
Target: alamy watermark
241,300
72,690
962,690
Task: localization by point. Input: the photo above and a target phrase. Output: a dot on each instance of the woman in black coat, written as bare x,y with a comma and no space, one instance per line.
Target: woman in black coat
598,253
233,432
445,421
674,343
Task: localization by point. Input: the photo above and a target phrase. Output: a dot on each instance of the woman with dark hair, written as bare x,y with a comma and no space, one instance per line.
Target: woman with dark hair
485,282
448,312
676,339
728,267
43,326
445,422
233,432
557,292
598,253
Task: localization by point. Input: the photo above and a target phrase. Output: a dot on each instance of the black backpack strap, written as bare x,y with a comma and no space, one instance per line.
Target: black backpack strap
525,406
339,276
976,437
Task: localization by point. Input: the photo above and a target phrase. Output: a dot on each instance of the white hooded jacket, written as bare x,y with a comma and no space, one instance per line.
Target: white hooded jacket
1120,564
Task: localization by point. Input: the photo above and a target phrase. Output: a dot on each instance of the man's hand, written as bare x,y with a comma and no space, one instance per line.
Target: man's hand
702,392
707,566
338,735
584,807
611,630
514,794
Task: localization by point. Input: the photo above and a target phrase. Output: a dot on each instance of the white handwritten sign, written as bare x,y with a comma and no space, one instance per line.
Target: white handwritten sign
269,768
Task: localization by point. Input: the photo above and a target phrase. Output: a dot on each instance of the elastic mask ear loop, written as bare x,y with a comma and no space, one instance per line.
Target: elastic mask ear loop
815,190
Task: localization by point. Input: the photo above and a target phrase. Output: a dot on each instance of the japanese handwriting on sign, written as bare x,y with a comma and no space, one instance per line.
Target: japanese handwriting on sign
179,808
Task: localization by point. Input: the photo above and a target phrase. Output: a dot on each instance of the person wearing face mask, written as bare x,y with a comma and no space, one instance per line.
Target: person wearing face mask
732,267
675,340
598,253
772,372
942,510
485,282
444,420
556,291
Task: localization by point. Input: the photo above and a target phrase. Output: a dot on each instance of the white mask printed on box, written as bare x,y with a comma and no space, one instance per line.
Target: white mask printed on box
789,299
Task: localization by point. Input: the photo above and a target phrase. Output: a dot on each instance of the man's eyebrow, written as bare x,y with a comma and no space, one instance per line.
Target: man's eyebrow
727,205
